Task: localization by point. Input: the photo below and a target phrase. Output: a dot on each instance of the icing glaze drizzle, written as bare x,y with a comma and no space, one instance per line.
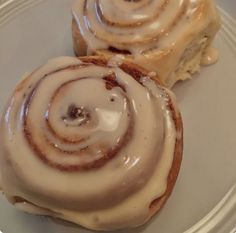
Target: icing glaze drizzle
135,26
103,143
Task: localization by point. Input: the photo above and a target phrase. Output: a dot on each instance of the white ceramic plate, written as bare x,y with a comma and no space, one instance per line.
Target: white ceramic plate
32,31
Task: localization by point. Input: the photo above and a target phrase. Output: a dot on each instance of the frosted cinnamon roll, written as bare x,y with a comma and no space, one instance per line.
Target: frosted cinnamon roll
169,37
92,141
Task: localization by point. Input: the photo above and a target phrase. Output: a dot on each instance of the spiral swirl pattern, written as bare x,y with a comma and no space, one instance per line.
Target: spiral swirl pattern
82,132
132,26
85,115
85,136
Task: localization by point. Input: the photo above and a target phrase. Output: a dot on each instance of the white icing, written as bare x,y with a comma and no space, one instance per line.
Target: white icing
152,74
155,24
116,60
210,56
119,193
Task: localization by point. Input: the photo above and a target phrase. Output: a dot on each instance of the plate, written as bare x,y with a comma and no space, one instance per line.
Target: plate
204,199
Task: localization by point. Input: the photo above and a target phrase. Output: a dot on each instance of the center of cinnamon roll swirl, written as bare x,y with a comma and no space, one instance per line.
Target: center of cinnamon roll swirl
91,130
81,114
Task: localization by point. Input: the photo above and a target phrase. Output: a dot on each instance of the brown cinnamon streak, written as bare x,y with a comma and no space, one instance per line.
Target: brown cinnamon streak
103,19
147,39
41,153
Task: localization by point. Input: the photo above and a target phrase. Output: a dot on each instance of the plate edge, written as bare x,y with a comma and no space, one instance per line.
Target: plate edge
10,8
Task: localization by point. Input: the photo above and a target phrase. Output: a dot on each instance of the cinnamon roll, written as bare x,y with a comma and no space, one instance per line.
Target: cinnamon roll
96,142
169,37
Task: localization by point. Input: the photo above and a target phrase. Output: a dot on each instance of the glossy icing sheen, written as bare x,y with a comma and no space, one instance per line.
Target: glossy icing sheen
210,56
65,117
142,26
